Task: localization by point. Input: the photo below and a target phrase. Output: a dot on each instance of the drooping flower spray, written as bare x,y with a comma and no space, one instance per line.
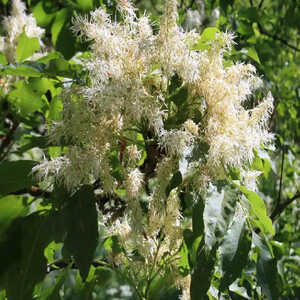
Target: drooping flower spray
131,91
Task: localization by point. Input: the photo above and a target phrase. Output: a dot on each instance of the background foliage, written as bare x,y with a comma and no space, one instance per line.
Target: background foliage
49,240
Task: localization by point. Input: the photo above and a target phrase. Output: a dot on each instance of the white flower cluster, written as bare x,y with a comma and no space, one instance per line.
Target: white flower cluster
131,69
14,25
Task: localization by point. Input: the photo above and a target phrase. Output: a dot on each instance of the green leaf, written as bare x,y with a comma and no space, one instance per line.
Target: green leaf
82,229
203,272
26,47
60,19
161,286
266,269
198,222
50,251
180,96
250,13
234,251
25,98
112,245
50,56
16,175
60,67
85,4
245,28
268,165
11,207
34,233
175,84
103,275
258,209
62,37
184,266
56,107
42,17
218,211
257,163
41,85
52,292
251,52
225,3
193,249
176,180
34,141
235,290
3,60
32,69
10,249
208,35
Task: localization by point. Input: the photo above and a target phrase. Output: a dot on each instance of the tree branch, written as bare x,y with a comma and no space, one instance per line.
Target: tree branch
276,38
281,177
281,207
34,191
261,4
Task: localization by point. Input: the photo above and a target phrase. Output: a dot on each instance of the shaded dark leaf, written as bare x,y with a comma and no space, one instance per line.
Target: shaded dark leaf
81,223
176,180
203,272
266,269
16,175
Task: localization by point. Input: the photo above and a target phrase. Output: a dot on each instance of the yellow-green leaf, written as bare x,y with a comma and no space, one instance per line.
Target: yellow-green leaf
26,47
258,208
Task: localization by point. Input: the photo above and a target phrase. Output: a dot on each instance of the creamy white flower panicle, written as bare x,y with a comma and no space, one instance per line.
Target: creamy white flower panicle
134,182
131,70
14,25
176,141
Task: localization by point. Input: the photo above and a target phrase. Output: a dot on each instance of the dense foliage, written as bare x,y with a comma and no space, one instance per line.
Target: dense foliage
149,155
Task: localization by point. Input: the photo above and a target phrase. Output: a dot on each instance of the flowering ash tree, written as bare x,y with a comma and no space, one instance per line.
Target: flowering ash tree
163,135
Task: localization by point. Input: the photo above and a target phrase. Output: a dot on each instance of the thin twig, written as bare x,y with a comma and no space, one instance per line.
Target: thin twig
279,209
35,192
261,4
276,37
281,177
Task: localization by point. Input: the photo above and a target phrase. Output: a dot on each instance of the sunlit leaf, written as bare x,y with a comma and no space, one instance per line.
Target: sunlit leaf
258,209
208,35
26,47
26,98
184,266
32,69
252,53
